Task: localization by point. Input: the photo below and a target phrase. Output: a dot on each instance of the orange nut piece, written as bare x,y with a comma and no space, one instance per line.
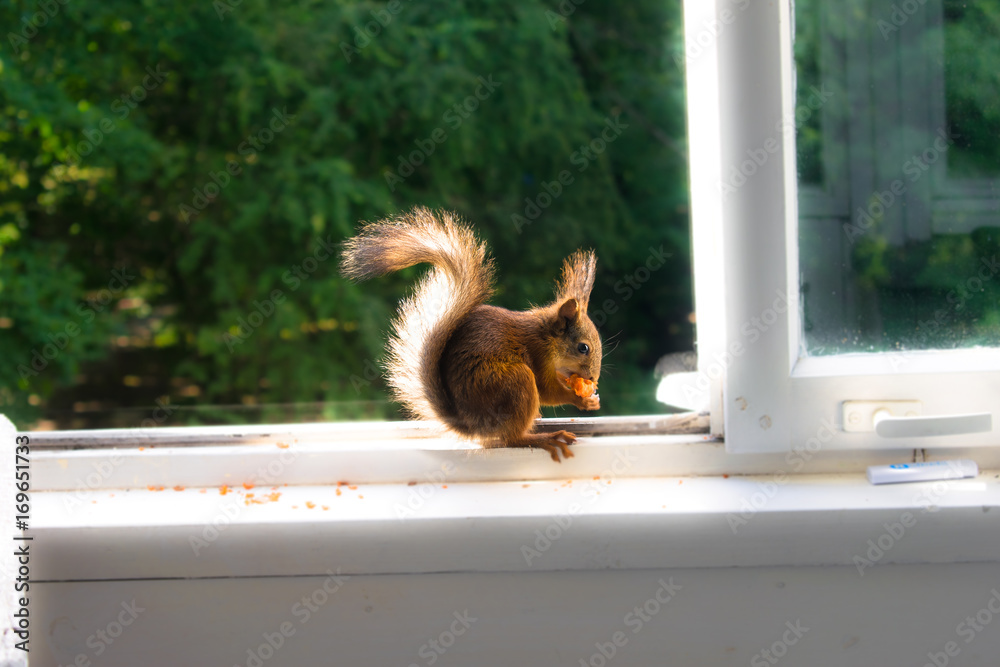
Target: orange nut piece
581,387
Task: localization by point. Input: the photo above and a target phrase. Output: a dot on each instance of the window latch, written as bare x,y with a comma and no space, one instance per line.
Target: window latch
905,419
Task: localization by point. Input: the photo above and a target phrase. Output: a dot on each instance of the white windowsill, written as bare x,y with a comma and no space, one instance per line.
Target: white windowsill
634,523
664,502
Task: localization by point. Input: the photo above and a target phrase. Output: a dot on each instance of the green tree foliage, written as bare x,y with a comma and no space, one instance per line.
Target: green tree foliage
213,153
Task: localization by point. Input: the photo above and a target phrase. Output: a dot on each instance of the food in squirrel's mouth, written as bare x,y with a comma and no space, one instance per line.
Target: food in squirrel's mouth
581,387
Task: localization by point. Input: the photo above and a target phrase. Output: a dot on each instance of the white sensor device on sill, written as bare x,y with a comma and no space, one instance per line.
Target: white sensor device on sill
922,472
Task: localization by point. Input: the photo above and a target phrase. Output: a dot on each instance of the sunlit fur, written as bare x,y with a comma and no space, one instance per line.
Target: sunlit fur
481,370
460,278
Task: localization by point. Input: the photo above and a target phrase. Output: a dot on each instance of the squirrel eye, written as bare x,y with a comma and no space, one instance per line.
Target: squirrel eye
583,348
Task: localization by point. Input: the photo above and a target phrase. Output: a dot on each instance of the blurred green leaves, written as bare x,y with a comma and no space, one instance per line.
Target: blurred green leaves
66,224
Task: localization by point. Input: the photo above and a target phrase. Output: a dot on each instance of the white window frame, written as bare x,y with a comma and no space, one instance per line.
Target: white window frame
634,505
739,81
765,395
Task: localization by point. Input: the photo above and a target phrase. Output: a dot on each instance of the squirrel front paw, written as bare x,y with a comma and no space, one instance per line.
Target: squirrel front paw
590,403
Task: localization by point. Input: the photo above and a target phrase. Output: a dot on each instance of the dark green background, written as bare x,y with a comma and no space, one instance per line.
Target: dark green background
64,228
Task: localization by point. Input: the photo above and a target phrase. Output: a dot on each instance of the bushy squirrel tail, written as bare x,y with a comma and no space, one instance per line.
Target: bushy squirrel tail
461,278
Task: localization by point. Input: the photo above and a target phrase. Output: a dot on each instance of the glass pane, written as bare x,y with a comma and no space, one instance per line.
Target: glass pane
176,181
899,174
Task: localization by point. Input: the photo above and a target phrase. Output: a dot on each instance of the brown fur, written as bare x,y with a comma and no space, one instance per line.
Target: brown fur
481,370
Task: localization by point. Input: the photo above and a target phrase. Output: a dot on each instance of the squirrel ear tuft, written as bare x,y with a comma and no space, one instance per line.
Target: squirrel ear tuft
577,278
569,310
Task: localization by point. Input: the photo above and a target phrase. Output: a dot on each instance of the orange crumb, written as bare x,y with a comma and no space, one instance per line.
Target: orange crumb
411,483
178,488
248,485
310,504
273,497
155,488
283,445
325,507
725,476
142,449
338,492
361,497
341,483
223,490
597,476
444,486
524,486
203,491
680,481
353,487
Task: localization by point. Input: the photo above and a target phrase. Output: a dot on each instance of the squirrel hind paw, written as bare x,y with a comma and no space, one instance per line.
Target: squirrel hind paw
561,440
555,443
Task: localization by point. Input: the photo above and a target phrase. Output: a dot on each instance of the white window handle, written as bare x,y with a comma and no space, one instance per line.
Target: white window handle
888,426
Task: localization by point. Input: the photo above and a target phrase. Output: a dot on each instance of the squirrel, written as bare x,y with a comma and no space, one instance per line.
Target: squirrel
481,370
